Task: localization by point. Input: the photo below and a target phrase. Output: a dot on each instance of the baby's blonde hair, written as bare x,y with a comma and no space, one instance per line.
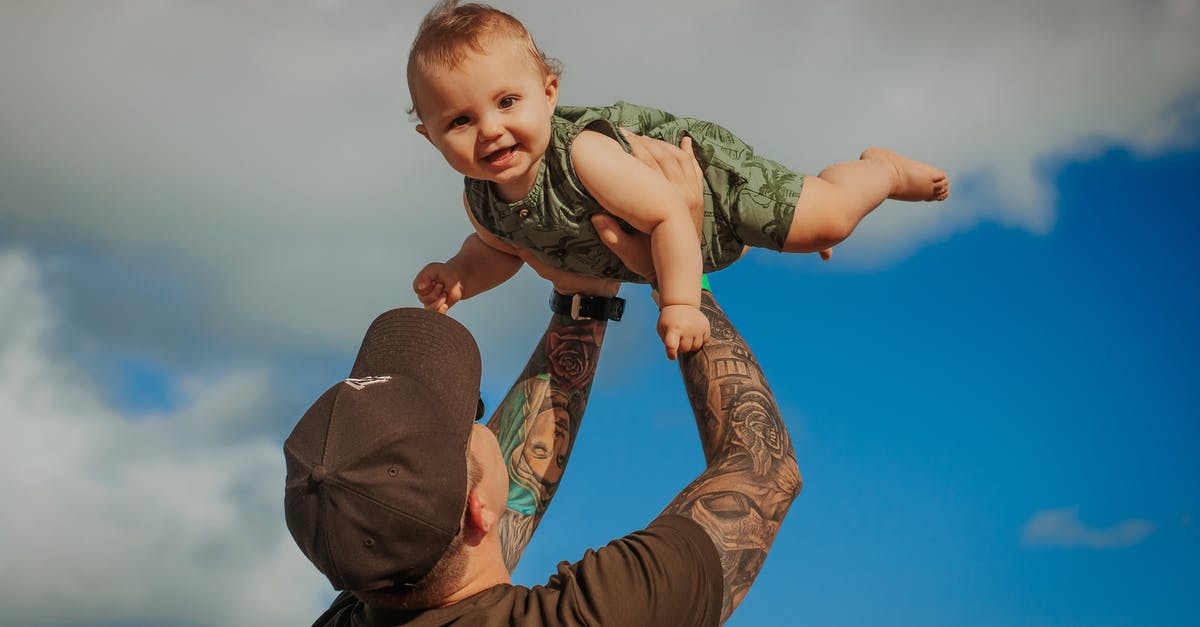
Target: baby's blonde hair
450,30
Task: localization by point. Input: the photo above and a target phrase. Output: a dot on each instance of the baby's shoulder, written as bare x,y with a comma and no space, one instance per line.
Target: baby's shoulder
591,146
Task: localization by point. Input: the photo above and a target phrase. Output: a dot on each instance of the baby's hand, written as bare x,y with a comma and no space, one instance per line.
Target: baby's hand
438,286
682,328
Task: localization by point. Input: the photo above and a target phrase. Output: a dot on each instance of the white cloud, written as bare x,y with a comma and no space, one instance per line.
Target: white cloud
158,519
262,150
263,146
1062,528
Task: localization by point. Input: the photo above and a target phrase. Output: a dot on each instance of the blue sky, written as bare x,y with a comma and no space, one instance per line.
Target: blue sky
941,405
992,399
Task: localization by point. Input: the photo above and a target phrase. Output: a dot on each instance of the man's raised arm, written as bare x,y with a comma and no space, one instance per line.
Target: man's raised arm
537,422
752,477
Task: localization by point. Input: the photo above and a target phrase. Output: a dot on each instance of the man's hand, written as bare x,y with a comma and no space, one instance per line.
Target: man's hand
632,248
678,165
438,286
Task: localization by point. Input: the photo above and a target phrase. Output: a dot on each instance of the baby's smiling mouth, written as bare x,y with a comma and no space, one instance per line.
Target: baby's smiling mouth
500,155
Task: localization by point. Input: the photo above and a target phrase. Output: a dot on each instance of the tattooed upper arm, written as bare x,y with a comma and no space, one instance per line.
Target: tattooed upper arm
537,422
752,477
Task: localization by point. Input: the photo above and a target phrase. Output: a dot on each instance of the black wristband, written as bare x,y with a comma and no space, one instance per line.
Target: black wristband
580,307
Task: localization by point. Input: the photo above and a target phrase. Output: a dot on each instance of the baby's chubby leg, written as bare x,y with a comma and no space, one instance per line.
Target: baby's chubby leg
832,203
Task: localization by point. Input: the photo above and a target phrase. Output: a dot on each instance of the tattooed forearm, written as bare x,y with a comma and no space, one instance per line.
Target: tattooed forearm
537,422
752,477
515,531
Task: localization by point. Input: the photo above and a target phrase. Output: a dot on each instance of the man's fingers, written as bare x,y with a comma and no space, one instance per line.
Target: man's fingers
633,249
642,150
694,164
665,158
686,145
606,228
677,164
611,234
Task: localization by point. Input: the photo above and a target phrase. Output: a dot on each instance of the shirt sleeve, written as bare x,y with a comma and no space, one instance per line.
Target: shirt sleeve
667,574
340,612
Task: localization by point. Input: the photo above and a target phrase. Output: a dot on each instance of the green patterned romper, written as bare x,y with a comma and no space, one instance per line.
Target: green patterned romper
748,200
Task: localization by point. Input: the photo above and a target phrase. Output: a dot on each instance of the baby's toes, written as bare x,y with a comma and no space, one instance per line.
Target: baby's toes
941,189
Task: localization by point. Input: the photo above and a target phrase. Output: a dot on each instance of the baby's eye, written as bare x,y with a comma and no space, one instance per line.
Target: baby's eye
507,102
459,121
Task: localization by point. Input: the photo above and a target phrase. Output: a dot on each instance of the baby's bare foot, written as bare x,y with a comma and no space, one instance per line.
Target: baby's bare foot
914,180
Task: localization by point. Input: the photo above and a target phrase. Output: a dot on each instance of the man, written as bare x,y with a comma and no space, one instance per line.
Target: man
419,514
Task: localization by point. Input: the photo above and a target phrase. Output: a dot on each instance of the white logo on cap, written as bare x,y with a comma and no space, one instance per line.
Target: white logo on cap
359,384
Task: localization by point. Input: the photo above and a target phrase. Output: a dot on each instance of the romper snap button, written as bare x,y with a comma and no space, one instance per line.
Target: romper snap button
524,213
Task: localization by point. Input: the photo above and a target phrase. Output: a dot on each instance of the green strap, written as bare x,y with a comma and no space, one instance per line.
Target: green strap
704,282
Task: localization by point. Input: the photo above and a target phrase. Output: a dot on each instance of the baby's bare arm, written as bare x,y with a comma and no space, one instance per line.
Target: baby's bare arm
631,190
475,269
482,266
488,262
483,262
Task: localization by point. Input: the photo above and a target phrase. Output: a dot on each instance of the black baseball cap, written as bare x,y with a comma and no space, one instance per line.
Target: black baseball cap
376,468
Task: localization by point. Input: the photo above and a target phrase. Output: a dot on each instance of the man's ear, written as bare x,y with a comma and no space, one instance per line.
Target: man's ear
480,520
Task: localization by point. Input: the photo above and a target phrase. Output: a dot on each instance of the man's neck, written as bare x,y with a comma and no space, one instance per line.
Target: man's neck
485,569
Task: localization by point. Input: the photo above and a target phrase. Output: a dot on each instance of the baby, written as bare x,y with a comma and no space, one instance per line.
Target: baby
487,99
